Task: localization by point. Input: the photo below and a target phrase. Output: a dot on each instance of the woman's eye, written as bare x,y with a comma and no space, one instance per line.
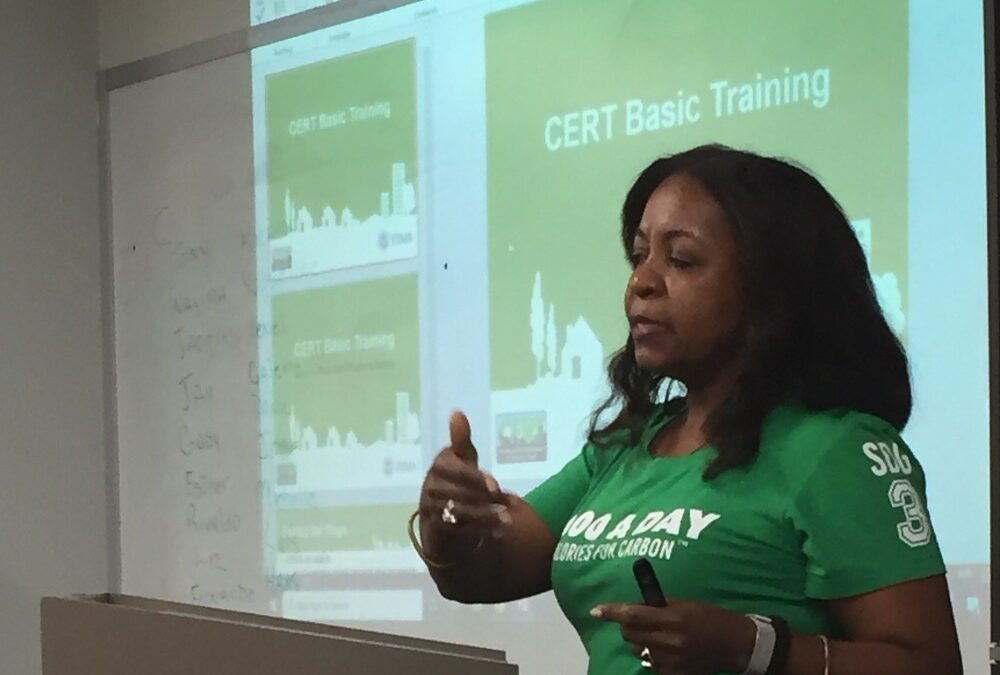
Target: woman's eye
636,257
680,263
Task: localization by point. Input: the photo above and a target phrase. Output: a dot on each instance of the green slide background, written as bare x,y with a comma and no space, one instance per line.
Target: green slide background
348,165
343,528
354,390
557,212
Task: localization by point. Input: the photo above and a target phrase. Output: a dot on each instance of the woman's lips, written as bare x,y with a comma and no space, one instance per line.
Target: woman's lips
646,328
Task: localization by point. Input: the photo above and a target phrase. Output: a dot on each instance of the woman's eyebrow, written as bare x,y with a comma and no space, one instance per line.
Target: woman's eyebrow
678,233
675,233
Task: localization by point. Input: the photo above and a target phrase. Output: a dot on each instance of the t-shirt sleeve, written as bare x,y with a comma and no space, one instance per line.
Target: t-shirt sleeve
555,499
862,514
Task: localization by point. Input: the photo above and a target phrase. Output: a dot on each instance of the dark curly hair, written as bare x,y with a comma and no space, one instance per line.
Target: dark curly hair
816,337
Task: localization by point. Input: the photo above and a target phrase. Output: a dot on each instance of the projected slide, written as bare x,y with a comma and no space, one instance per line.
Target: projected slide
471,158
342,162
346,421
594,105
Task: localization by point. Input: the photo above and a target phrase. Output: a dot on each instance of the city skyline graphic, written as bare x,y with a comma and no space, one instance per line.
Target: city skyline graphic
341,461
537,428
322,240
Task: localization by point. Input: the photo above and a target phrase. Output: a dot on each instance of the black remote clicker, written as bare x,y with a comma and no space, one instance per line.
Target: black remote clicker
649,585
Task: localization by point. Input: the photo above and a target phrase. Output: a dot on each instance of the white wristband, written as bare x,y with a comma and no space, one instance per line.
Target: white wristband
763,646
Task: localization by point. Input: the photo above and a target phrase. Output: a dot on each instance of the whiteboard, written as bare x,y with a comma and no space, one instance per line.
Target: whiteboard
190,455
186,340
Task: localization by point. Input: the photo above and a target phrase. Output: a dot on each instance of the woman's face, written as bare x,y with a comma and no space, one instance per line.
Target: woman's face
685,300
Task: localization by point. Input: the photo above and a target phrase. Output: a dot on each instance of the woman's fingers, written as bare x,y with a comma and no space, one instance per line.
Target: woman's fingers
482,517
443,491
450,468
491,483
472,497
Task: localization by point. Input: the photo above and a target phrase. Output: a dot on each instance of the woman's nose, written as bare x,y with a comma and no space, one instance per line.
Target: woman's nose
644,283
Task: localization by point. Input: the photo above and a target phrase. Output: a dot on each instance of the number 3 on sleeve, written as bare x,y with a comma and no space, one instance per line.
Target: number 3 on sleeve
915,530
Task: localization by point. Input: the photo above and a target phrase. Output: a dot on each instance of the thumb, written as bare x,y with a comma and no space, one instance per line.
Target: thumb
461,438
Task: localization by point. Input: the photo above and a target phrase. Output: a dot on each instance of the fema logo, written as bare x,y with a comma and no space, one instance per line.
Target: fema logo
383,240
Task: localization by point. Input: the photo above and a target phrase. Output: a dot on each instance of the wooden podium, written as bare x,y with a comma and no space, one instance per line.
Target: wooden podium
123,635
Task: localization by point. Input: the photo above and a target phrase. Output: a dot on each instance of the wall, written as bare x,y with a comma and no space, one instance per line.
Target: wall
53,495
135,29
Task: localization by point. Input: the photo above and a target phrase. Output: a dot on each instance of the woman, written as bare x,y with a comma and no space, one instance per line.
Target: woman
780,508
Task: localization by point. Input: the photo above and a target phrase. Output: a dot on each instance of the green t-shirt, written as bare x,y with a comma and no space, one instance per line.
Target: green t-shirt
832,507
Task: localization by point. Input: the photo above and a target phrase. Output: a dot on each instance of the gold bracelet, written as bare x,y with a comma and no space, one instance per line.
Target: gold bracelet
420,549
